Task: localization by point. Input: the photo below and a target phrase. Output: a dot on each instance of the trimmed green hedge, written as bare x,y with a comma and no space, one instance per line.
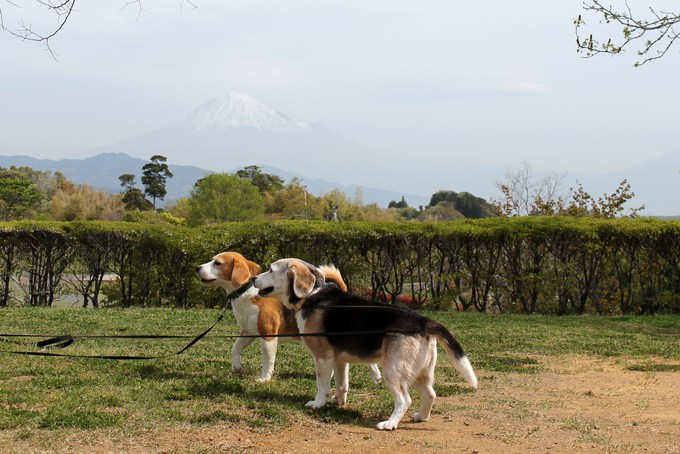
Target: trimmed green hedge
551,265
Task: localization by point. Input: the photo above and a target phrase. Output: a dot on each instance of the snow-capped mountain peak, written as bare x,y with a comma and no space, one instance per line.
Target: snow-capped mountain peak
237,110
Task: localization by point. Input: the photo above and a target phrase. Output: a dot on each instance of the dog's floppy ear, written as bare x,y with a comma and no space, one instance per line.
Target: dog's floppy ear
254,268
242,271
305,278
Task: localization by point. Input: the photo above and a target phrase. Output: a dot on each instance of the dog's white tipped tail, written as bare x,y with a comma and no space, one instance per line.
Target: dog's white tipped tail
454,351
463,366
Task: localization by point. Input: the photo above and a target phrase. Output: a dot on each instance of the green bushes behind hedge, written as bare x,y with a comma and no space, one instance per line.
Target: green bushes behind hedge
554,265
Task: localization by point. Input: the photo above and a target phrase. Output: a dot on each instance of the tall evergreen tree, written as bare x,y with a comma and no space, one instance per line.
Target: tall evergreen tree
155,174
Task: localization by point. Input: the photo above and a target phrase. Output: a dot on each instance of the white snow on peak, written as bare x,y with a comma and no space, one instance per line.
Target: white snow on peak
237,110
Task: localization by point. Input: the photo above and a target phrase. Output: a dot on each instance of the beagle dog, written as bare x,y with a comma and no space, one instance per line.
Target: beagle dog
257,315
362,331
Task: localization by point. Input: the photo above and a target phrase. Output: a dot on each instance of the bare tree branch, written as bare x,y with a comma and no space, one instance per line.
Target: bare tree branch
139,7
61,10
650,38
188,2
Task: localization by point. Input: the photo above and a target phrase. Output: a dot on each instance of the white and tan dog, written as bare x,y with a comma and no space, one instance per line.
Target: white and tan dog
256,315
362,331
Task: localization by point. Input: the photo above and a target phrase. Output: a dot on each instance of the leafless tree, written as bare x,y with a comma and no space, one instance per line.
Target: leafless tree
649,37
526,194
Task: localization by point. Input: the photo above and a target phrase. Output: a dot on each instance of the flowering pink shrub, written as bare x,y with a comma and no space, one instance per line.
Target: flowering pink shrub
404,300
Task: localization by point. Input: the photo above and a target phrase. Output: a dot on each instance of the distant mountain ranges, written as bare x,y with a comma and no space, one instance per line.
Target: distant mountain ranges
234,131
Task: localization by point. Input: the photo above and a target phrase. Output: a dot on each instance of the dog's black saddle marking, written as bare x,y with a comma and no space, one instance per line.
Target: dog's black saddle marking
379,319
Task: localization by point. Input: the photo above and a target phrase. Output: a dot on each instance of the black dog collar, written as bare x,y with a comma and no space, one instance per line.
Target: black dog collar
241,290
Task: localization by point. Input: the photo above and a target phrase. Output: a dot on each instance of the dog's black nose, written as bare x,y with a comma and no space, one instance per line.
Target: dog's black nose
198,268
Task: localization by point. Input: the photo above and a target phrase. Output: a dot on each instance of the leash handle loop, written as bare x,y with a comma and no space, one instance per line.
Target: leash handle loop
55,342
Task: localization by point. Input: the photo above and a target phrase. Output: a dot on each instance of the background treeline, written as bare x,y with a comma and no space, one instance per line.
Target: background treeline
250,194
246,195
552,265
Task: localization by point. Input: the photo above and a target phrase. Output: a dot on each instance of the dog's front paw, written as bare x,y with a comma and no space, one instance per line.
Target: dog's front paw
315,404
387,425
264,379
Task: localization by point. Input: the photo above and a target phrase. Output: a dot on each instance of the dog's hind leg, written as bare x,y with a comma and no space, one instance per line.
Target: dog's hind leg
424,384
402,401
424,365
428,395
341,371
239,345
324,372
268,358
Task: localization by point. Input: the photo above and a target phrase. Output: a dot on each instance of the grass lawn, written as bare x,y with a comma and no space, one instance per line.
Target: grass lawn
39,394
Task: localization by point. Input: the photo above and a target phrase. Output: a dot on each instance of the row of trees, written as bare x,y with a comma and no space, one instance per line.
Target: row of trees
557,265
252,195
247,195
32,194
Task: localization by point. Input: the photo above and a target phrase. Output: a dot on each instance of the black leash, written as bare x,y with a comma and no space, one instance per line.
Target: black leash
66,340
114,357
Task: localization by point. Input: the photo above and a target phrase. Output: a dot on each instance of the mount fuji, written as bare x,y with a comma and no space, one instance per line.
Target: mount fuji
234,131
237,110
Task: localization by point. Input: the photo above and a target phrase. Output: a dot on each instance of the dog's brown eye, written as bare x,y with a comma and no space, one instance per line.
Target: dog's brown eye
218,263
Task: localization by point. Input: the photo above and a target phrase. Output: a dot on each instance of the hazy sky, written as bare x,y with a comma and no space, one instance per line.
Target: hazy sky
492,81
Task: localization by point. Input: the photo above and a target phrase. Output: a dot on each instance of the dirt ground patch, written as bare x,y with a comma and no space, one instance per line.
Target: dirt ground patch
572,404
